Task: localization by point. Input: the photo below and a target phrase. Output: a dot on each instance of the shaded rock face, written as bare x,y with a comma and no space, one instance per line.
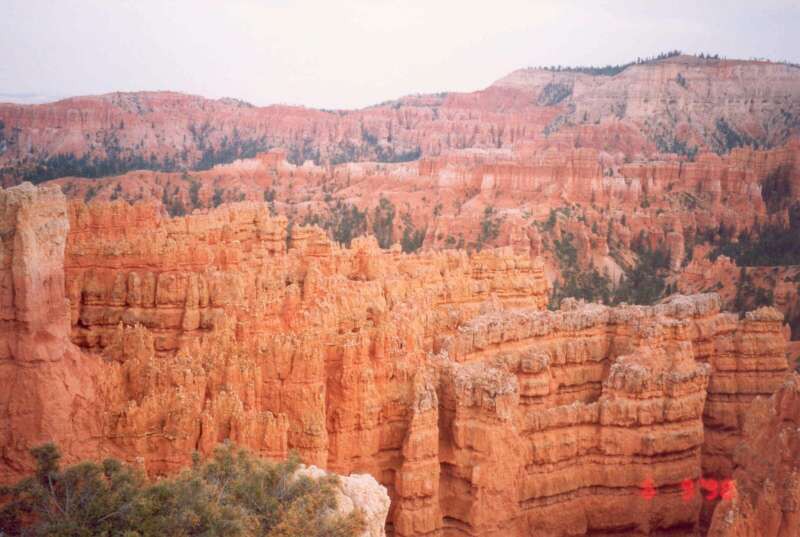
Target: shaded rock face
555,420
439,374
767,476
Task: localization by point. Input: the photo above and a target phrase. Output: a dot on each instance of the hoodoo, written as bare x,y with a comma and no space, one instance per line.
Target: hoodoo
564,305
441,374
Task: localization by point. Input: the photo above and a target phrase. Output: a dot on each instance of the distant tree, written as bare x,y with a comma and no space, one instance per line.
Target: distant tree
412,237
490,226
611,70
217,199
383,223
194,193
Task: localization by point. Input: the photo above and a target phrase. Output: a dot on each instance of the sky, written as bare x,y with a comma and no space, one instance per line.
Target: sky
350,54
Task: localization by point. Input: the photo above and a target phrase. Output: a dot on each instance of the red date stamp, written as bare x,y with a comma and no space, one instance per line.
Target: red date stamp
711,489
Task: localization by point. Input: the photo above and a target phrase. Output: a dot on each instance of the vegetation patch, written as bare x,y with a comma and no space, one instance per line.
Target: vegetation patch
670,144
644,282
383,222
412,237
776,189
727,137
343,223
611,70
553,93
232,494
490,227
750,296
766,246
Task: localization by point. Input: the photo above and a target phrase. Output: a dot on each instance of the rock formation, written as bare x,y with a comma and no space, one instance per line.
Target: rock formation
669,154
678,99
675,105
358,492
177,294
441,374
48,385
767,475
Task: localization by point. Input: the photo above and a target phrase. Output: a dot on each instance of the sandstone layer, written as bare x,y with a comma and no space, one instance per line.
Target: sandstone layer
767,476
541,204
441,374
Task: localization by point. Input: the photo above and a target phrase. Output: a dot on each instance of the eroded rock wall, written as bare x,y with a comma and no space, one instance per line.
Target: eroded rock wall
221,325
557,419
48,386
440,374
767,476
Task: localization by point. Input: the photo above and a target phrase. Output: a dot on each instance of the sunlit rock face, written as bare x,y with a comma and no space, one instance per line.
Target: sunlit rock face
440,374
48,384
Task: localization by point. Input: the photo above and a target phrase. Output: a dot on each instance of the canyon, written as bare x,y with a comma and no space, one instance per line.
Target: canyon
541,308
441,374
573,209
663,155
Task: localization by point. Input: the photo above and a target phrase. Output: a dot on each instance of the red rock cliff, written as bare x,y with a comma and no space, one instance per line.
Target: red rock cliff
438,373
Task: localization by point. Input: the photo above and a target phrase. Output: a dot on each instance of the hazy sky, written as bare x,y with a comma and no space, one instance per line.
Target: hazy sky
346,54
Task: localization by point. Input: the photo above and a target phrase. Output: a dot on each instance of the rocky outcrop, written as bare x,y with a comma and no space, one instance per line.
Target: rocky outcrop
743,286
767,477
360,492
48,386
570,412
440,374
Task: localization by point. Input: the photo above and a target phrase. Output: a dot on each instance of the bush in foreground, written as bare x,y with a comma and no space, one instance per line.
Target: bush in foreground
232,494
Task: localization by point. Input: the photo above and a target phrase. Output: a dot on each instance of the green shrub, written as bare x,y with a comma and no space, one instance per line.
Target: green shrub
644,283
343,222
232,494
